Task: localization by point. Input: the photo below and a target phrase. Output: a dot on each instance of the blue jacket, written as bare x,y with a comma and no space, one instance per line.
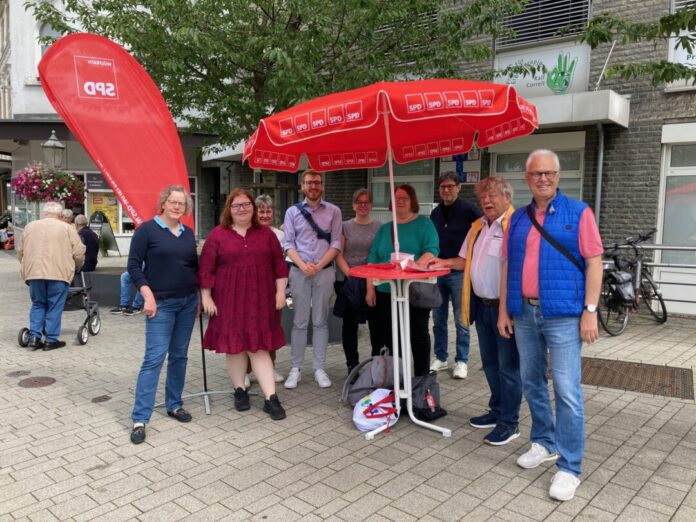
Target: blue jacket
561,284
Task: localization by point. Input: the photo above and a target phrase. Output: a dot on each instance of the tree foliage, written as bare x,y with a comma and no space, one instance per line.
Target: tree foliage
681,26
224,64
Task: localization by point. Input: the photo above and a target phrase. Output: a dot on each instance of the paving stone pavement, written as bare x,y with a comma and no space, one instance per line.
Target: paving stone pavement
64,457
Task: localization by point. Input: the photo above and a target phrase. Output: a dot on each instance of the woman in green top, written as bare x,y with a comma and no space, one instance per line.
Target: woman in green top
417,236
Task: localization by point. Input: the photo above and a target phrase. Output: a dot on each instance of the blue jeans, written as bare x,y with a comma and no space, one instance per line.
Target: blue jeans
450,287
47,302
168,332
560,336
126,291
501,365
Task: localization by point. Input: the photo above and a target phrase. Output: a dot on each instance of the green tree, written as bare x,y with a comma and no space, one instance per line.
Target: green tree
681,26
224,64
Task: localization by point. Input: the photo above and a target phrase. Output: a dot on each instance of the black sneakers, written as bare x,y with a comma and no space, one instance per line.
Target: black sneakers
132,311
273,408
138,434
52,345
118,310
241,400
181,415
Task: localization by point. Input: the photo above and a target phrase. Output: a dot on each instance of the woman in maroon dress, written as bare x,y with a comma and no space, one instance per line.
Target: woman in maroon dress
242,276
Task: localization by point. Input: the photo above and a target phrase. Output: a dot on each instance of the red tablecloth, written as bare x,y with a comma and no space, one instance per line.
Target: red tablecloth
385,272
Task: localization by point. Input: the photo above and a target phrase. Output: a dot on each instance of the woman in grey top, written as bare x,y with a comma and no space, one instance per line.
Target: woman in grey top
358,234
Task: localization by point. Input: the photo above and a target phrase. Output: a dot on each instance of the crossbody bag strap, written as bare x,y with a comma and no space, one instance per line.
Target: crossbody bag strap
321,234
563,250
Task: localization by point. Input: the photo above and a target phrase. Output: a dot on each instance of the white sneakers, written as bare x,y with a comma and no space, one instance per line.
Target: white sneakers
460,371
322,379
438,365
563,486
277,376
320,376
293,378
535,456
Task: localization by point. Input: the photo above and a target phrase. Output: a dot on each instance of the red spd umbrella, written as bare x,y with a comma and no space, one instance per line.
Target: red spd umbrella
406,121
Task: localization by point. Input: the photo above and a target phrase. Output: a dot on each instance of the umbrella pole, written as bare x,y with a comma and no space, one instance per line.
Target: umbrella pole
385,115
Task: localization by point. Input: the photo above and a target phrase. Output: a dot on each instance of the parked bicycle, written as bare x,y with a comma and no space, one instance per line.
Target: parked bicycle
626,284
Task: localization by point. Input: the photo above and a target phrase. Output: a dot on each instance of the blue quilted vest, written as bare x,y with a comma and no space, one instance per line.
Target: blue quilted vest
561,284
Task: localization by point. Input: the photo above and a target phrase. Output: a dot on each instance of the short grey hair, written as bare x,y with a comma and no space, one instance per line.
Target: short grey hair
542,152
362,192
264,200
494,183
167,191
81,220
53,208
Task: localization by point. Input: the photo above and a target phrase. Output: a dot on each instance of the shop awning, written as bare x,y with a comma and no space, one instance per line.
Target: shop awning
16,132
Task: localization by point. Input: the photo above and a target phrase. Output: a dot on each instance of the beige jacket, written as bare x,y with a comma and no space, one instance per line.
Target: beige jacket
50,249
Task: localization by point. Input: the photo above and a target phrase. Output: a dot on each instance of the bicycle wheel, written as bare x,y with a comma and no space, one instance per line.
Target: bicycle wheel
613,315
652,298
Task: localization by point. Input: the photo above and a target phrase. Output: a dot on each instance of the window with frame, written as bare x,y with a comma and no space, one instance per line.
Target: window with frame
545,20
511,167
419,174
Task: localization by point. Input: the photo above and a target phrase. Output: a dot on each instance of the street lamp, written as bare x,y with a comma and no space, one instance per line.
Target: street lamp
53,151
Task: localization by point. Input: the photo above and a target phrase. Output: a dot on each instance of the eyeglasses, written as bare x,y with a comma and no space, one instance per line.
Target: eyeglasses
550,174
313,183
363,203
241,206
448,187
402,198
176,203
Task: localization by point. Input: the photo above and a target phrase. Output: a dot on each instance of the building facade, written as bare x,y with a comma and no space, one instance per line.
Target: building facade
27,120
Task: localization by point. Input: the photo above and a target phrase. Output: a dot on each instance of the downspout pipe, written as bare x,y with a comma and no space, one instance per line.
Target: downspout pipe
600,167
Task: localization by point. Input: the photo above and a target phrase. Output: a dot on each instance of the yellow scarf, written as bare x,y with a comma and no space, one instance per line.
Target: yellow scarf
476,228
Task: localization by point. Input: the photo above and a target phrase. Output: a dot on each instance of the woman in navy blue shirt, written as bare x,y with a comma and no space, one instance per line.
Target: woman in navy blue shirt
168,283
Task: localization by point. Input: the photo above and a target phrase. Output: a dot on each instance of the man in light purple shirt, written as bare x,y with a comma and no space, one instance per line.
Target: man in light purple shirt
312,240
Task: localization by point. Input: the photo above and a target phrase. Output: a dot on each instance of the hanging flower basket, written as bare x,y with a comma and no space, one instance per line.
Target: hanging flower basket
37,182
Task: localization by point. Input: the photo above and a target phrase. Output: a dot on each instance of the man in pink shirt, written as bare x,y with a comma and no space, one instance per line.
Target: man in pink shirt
550,286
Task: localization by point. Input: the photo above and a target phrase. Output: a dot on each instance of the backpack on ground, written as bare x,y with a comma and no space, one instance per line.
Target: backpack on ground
373,373
425,393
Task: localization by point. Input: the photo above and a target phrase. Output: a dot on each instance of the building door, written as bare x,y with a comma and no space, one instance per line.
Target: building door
677,226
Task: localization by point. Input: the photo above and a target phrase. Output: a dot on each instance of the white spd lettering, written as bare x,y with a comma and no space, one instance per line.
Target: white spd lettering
471,103
302,127
453,103
415,107
434,105
99,89
317,123
335,119
353,116
286,132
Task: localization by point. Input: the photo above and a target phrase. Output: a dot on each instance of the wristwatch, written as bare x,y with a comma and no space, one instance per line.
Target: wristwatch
590,308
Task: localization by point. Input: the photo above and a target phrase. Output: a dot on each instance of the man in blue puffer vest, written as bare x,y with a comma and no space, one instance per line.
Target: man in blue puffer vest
552,297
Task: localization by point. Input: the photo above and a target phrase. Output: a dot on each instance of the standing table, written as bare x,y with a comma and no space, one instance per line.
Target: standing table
399,282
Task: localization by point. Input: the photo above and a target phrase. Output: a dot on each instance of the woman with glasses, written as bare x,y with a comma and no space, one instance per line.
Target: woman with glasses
417,236
358,234
163,265
243,278
264,209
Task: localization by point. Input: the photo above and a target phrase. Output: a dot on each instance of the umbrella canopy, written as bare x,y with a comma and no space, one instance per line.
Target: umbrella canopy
406,121
422,119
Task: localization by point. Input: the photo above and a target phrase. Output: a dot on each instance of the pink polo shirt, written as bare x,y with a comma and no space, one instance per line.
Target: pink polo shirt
589,240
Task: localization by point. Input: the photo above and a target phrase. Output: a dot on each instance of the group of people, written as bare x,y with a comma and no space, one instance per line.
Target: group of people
51,252
528,279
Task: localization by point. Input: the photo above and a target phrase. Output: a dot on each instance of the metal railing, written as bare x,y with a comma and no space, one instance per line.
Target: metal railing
681,266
